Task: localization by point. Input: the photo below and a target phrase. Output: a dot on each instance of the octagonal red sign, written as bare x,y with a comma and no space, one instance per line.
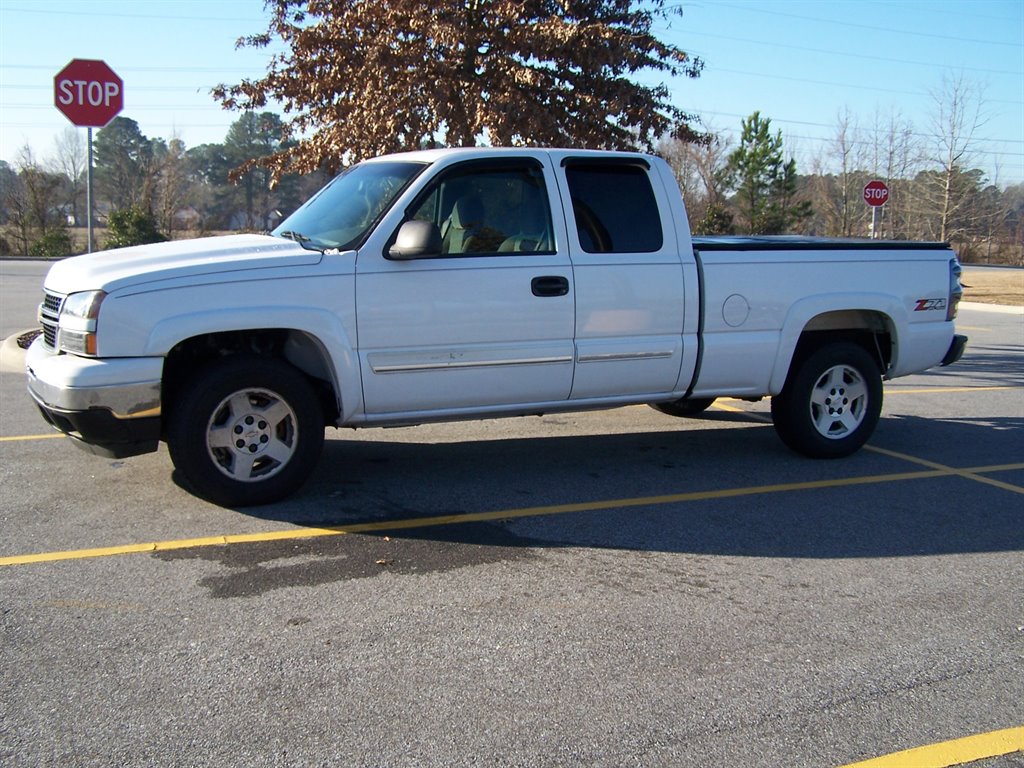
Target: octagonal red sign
876,193
88,92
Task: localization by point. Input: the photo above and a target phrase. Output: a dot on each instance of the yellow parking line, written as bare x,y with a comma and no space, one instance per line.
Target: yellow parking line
504,514
753,415
18,438
946,470
950,753
934,470
895,390
965,473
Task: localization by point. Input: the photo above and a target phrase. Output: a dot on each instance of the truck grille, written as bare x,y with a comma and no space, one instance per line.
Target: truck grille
49,315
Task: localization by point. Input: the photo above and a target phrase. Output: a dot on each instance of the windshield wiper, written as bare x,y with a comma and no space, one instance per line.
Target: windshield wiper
301,239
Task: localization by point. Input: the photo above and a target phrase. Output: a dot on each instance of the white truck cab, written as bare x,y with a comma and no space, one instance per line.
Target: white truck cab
474,283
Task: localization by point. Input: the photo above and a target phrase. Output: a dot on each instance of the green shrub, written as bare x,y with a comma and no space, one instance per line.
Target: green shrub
55,244
132,226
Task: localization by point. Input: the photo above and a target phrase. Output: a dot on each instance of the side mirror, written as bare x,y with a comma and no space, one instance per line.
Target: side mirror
416,240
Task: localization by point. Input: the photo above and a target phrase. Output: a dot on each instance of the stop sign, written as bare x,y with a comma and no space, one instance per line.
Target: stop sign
876,193
88,93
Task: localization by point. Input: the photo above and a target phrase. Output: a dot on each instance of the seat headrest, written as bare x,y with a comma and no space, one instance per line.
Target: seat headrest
468,212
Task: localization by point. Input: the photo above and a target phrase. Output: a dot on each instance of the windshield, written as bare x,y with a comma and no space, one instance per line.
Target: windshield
342,214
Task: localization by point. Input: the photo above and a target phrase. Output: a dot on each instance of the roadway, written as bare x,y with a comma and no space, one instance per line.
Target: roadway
601,589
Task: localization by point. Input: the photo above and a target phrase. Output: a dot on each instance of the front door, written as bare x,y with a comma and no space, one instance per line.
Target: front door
487,322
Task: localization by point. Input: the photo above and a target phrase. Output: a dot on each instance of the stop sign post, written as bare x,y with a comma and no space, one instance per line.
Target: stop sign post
876,194
90,95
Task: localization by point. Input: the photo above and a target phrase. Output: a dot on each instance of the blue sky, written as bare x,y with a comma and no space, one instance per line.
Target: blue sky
799,62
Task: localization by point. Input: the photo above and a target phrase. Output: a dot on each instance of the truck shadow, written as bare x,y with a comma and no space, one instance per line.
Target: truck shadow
1001,365
727,491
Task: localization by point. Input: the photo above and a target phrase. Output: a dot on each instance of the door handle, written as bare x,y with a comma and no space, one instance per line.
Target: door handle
550,285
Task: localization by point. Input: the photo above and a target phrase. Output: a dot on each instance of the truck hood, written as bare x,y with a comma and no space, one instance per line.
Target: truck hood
126,267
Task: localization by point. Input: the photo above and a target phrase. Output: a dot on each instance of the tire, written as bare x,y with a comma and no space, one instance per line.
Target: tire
831,402
245,431
685,406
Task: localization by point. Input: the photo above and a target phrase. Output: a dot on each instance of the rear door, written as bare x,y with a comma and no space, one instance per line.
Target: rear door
629,278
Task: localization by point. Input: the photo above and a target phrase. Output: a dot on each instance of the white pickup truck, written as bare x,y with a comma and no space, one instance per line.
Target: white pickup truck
474,283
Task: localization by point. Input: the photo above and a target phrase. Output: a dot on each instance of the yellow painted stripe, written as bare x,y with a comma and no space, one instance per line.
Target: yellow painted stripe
18,438
478,517
895,390
965,473
950,753
754,415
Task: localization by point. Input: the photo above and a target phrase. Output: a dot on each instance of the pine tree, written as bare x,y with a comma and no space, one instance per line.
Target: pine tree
764,183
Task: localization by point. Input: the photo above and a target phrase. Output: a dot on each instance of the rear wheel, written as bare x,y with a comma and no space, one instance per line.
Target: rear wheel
831,402
246,431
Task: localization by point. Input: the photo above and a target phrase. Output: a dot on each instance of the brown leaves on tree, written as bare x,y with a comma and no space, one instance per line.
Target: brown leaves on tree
362,77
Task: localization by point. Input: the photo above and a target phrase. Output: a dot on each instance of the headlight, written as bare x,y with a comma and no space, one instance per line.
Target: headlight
78,322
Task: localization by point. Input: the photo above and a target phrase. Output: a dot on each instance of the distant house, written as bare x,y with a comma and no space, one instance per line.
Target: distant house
239,220
187,218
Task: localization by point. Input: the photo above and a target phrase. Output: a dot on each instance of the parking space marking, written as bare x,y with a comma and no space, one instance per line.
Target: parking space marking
965,473
951,753
933,470
975,328
18,438
895,390
506,514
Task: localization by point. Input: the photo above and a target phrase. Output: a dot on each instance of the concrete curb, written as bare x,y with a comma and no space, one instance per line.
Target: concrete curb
12,357
1005,309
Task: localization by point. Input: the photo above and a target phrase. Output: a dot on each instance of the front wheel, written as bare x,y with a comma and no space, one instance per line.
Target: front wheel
246,431
831,402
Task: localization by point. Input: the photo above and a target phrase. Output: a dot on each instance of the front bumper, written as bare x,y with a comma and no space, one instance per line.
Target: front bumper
108,407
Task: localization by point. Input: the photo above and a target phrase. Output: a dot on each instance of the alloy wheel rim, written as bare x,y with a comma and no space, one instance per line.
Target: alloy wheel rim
252,434
839,401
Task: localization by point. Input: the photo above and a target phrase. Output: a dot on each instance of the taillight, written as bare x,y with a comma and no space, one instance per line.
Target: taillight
956,291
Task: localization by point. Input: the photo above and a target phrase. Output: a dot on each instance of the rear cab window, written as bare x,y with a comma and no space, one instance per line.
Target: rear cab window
614,206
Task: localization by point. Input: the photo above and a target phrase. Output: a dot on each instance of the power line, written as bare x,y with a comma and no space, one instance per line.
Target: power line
190,18
859,55
54,68
847,24
916,134
148,88
873,88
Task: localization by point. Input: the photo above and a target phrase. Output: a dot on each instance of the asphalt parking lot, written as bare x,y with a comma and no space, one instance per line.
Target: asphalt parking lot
602,589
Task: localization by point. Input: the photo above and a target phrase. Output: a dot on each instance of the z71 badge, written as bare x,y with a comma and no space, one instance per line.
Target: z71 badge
926,305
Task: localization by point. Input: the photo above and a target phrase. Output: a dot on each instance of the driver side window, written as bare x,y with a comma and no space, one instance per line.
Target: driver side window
492,208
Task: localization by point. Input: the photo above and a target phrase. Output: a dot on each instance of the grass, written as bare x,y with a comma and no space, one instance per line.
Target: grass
994,286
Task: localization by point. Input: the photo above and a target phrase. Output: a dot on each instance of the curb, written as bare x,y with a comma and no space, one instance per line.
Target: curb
12,357
1005,309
